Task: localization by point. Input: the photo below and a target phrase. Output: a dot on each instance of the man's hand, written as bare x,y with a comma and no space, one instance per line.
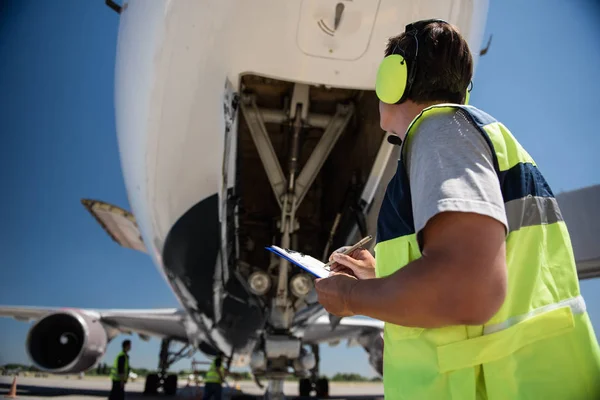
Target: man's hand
334,293
360,263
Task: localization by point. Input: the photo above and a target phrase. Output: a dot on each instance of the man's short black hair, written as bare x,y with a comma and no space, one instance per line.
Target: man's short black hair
126,343
444,62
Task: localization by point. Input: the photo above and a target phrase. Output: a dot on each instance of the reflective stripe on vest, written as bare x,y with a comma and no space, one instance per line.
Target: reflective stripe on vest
114,371
541,341
576,304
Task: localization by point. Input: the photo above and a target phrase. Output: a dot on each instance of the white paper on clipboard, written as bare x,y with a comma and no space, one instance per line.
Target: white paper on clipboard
304,261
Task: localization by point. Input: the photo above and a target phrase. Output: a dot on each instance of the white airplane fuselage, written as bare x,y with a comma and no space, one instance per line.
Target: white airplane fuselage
179,66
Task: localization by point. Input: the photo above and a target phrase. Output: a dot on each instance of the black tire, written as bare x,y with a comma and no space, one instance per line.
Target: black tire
304,387
152,383
170,385
322,388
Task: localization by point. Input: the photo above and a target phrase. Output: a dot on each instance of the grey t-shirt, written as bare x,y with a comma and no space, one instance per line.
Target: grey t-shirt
451,168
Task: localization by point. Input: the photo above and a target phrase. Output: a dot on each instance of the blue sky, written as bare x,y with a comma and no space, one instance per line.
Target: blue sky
58,145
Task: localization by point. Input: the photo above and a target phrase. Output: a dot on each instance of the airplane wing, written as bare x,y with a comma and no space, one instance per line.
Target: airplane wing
350,328
580,212
358,331
161,323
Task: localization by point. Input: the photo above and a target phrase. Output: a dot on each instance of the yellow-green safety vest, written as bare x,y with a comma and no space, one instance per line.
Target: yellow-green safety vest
212,375
114,374
540,344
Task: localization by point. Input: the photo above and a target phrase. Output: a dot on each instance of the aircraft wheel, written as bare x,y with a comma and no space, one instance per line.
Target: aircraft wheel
304,387
322,388
152,383
170,385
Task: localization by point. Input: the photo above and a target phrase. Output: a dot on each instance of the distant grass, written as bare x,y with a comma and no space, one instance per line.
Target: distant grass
94,374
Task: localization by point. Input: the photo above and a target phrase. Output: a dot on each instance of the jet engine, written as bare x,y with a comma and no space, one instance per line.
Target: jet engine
373,345
66,342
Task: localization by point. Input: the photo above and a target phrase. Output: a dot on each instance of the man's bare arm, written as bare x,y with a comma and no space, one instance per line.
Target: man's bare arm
459,280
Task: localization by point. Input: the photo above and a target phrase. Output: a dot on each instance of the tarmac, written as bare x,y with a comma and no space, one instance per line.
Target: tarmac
73,388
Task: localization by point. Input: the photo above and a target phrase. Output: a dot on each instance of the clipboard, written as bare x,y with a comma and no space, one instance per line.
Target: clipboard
304,261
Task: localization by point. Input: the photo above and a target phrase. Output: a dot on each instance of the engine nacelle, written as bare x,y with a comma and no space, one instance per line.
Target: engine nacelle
66,342
373,345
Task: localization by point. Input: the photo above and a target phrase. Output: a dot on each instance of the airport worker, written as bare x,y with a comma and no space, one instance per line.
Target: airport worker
120,372
474,274
215,376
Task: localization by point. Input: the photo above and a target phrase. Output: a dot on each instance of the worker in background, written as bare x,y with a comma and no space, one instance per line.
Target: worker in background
215,376
120,372
474,274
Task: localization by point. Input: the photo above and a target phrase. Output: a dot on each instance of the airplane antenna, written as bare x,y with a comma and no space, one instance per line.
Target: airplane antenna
484,51
117,8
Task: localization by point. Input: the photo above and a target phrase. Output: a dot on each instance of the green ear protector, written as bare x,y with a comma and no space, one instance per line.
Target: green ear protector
395,75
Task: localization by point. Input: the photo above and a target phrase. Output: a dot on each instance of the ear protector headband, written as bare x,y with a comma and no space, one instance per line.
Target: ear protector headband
396,72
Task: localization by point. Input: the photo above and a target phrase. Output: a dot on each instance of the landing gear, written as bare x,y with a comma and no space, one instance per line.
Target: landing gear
321,387
314,383
282,349
166,359
290,191
305,387
275,390
170,385
152,384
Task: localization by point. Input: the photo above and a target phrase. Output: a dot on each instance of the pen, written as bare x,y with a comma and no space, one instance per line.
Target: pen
362,242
